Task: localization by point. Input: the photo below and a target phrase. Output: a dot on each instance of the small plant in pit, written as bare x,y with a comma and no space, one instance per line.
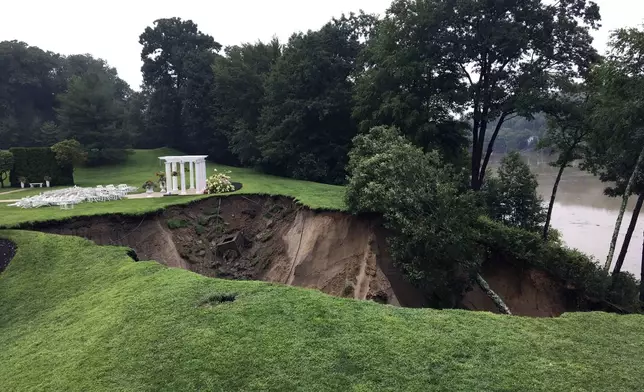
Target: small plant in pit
219,183
176,224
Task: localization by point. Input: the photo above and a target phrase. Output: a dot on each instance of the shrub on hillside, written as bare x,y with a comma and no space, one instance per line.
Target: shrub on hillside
69,153
421,199
524,248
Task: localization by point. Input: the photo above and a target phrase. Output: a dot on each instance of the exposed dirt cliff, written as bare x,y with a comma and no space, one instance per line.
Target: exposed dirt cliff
276,240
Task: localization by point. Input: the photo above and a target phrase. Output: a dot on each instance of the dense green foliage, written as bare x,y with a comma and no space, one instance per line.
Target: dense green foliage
511,196
582,273
177,78
423,204
69,153
433,61
6,163
237,100
100,316
46,97
306,123
37,162
292,109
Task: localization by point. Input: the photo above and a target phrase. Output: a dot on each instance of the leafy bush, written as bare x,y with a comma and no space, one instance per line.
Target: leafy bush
36,163
219,183
524,248
512,196
69,153
422,202
106,156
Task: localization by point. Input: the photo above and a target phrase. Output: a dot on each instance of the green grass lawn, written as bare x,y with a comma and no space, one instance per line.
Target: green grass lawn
75,316
141,166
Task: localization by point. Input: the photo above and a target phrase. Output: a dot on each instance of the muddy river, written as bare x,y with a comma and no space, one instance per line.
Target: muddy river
585,216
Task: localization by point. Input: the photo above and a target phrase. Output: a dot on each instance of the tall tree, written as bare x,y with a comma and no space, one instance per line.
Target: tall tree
435,58
306,124
567,131
176,74
512,196
28,85
238,95
90,113
616,150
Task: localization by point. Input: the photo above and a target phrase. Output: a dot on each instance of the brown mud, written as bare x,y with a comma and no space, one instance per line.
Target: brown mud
276,240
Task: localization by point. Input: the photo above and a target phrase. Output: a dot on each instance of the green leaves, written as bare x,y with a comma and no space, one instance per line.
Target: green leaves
424,206
305,125
512,196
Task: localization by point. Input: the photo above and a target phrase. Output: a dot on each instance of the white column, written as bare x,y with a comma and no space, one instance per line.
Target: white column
204,174
198,175
175,180
168,177
192,174
182,173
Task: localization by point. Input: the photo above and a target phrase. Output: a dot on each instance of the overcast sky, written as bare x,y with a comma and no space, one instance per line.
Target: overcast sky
110,29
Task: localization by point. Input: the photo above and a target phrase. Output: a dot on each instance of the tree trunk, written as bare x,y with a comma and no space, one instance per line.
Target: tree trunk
552,200
498,301
629,235
620,216
490,149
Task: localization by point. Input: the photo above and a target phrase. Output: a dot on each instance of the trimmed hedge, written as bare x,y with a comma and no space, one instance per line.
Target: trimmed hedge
37,162
524,248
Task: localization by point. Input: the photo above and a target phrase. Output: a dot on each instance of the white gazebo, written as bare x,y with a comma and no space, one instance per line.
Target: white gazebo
178,164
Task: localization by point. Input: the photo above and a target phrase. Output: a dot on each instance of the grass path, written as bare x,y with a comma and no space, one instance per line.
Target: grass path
75,316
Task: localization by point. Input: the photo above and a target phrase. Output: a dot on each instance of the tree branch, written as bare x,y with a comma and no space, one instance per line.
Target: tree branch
490,146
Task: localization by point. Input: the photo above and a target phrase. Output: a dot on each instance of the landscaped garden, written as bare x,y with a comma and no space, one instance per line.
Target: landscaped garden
141,166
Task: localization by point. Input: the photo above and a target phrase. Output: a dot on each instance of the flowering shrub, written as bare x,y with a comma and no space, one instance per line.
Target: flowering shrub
219,183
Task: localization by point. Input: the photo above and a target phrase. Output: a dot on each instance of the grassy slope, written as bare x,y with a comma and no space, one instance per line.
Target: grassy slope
76,316
142,165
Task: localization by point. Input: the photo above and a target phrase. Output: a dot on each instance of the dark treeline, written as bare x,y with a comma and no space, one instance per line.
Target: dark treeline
287,108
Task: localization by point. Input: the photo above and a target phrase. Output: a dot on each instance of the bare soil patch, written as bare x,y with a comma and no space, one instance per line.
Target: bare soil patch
277,240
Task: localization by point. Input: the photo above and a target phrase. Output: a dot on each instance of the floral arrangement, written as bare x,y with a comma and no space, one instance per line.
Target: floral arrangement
175,173
148,184
22,179
219,183
47,178
160,175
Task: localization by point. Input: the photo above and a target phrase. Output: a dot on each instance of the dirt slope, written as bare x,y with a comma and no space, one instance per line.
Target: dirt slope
280,242
276,240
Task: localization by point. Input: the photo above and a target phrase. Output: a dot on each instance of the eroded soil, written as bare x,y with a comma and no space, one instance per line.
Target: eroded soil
276,240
